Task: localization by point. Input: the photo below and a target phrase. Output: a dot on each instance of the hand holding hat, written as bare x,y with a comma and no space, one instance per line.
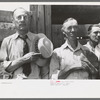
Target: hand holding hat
31,56
43,46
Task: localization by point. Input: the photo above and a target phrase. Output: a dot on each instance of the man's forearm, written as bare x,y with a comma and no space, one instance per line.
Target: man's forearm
10,67
16,64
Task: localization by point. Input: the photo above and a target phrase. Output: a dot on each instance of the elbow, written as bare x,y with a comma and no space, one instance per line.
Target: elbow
7,65
9,70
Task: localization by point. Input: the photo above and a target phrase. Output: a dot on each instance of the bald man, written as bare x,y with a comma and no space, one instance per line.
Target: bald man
18,50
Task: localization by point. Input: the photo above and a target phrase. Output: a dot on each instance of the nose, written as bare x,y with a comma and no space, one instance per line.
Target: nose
98,33
72,29
22,18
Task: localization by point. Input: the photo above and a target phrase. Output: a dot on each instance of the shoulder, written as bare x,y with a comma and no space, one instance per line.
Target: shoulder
40,35
9,38
30,34
58,51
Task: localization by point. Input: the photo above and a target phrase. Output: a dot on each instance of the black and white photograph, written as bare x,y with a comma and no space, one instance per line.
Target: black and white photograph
50,49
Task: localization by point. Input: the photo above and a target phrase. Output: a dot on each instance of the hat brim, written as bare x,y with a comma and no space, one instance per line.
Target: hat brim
35,42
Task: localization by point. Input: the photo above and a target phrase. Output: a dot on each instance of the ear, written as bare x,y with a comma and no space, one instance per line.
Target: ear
89,34
64,33
30,13
12,19
13,22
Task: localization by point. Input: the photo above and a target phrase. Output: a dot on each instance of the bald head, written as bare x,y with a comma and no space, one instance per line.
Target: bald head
21,20
19,11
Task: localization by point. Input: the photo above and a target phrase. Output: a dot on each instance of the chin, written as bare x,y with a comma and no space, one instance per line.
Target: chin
23,29
96,41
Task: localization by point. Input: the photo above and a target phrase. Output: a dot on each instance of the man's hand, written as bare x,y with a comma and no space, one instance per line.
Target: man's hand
31,56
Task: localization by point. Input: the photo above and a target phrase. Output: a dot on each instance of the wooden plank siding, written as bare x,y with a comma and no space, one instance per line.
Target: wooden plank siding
41,24
41,19
37,19
57,36
33,20
48,21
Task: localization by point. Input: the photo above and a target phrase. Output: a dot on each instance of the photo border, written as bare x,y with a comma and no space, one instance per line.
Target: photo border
48,98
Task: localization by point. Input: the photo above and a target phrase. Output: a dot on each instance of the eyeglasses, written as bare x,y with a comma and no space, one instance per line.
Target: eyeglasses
97,33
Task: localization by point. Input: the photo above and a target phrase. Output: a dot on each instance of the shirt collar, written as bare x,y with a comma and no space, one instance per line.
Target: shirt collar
29,36
79,46
17,35
65,45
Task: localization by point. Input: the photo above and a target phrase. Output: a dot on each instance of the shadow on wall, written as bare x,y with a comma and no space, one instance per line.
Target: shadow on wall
83,33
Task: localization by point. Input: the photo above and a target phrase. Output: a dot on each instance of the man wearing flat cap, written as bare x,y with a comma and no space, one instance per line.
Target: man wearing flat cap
22,52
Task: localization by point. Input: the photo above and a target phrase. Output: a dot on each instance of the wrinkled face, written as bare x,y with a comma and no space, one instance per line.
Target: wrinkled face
21,20
95,34
70,29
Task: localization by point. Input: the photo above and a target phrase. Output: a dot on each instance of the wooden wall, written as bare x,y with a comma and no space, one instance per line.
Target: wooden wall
41,19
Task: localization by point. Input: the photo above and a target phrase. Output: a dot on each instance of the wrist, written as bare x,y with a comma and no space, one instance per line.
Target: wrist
24,60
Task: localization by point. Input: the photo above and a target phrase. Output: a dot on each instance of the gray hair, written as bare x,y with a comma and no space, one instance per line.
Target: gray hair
68,19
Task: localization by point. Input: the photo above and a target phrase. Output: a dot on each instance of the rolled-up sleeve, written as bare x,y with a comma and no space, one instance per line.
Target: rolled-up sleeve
4,54
6,64
54,64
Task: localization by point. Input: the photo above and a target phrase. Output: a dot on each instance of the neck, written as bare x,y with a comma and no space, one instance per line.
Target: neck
22,33
93,44
73,43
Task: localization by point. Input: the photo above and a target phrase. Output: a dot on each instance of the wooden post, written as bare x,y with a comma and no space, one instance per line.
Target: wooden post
33,20
48,21
41,19
41,26
37,19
